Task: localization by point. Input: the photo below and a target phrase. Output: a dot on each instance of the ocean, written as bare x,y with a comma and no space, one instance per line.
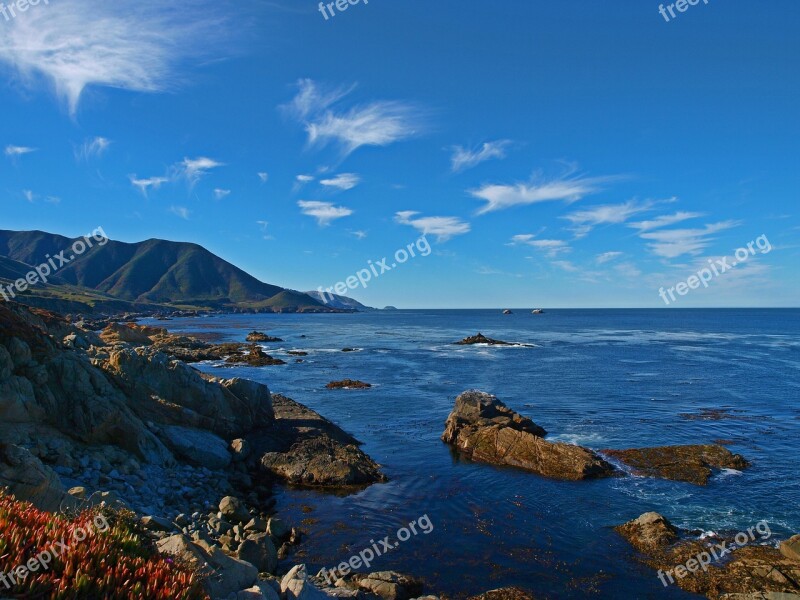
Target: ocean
599,378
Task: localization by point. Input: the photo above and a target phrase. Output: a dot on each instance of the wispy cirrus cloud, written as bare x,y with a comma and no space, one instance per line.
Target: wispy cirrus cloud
583,221
13,152
343,181
81,43
324,212
443,228
672,243
665,221
605,257
378,123
180,211
465,158
145,185
551,248
220,193
567,189
193,169
92,148
263,176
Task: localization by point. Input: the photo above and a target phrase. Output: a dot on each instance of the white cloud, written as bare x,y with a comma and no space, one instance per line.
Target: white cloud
92,148
359,234
305,178
378,123
180,211
565,265
219,193
81,43
671,243
264,177
443,228
15,151
466,158
584,221
665,221
29,195
551,248
194,168
145,184
607,257
323,212
500,196
344,181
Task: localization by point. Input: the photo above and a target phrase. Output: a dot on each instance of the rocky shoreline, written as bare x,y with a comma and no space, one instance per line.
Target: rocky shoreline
117,418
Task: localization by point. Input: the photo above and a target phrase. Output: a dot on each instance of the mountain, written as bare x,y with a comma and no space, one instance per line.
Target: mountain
341,302
155,274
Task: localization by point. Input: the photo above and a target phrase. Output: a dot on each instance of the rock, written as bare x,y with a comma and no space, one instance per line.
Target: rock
485,430
349,350
348,384
256,524
259,551
745,569
222,574
197,447
649,532
241,450
507,593
29,480
234,510
257,336
389,585
508,312
154,523
296,586
482,339
791,548
278,530
322,462
260,591
692,464
130,333
297,353
254,357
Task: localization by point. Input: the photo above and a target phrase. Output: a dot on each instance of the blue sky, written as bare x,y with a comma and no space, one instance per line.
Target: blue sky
575,154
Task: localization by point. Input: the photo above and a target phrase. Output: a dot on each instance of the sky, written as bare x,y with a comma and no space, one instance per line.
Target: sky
553,154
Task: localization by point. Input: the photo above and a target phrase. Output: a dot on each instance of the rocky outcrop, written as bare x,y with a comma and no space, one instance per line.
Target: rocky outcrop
718,567
29,480
482,339
257,336
484,429
348,384
253,356
507,593
692,464
322,462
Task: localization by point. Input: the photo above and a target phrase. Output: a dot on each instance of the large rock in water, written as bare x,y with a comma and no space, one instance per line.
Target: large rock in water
727,567
324,462
692,464
485,430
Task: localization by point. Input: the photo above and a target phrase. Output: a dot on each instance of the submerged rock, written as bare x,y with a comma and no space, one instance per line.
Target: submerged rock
692,464
348,384
485,430
482,339
719,567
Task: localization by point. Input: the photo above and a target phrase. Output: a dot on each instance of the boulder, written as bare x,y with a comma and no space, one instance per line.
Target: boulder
691,464
295,585
484,429
31,481
322,462
197,447
389,585
259,551
649,532
234,510
791,548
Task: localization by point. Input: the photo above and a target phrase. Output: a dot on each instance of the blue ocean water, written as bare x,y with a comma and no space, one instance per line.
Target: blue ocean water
600,378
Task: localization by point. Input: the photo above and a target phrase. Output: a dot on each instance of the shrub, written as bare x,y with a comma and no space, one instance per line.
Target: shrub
114,560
